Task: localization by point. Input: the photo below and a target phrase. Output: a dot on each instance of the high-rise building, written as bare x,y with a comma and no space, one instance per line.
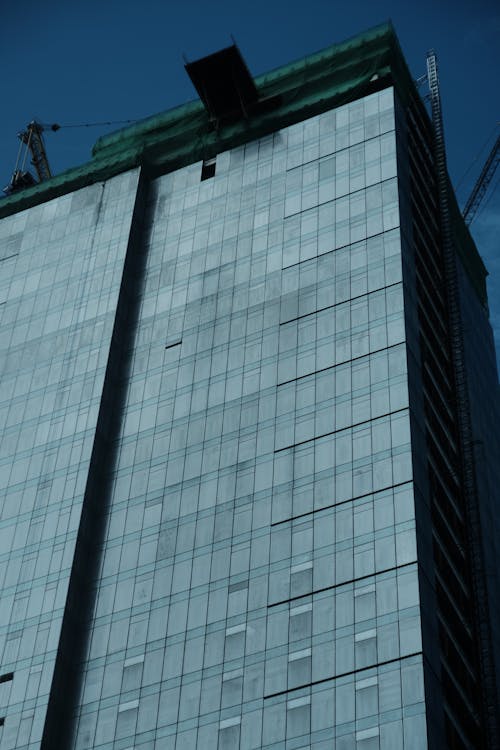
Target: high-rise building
250,450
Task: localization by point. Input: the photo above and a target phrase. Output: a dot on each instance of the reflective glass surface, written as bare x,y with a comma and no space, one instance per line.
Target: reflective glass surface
260,554
258,585
58,291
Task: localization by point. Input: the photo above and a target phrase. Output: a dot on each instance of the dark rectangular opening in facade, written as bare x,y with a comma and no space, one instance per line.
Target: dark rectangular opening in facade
208,169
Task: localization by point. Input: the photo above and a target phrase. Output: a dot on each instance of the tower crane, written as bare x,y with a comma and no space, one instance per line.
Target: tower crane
31,138
482,183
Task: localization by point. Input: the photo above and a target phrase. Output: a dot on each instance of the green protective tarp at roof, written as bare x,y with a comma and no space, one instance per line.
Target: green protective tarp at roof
183,135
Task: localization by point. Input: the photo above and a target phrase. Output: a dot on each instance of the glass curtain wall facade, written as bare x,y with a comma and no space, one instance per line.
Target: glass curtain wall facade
61,274
260,557
259,582
223,487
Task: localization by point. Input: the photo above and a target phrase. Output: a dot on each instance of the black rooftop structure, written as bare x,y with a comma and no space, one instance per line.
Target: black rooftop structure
224,84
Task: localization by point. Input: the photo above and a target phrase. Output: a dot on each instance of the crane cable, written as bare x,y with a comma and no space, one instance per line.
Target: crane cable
27,149
18,154
55,126
485,205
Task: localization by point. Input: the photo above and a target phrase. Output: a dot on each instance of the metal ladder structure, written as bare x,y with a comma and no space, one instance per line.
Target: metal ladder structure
463,414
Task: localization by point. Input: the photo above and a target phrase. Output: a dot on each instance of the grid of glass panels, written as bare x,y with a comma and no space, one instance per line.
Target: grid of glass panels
258,586
59,281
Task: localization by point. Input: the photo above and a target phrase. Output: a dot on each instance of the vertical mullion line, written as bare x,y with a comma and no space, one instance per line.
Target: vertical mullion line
61,717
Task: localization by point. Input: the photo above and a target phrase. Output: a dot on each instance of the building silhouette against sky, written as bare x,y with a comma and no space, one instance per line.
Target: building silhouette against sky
250,454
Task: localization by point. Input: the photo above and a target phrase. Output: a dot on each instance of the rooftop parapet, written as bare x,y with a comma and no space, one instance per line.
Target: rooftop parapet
367,62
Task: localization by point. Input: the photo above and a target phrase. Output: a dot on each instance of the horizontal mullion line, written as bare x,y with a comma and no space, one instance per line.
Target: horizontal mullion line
343,674
341,429
336,249
337,505
339,197
344,583
340,150
339,364
344,302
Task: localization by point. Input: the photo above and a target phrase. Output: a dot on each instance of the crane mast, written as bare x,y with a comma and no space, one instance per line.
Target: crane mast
482,183
32,140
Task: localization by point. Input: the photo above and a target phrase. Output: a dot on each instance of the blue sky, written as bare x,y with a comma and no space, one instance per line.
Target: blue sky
97,60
